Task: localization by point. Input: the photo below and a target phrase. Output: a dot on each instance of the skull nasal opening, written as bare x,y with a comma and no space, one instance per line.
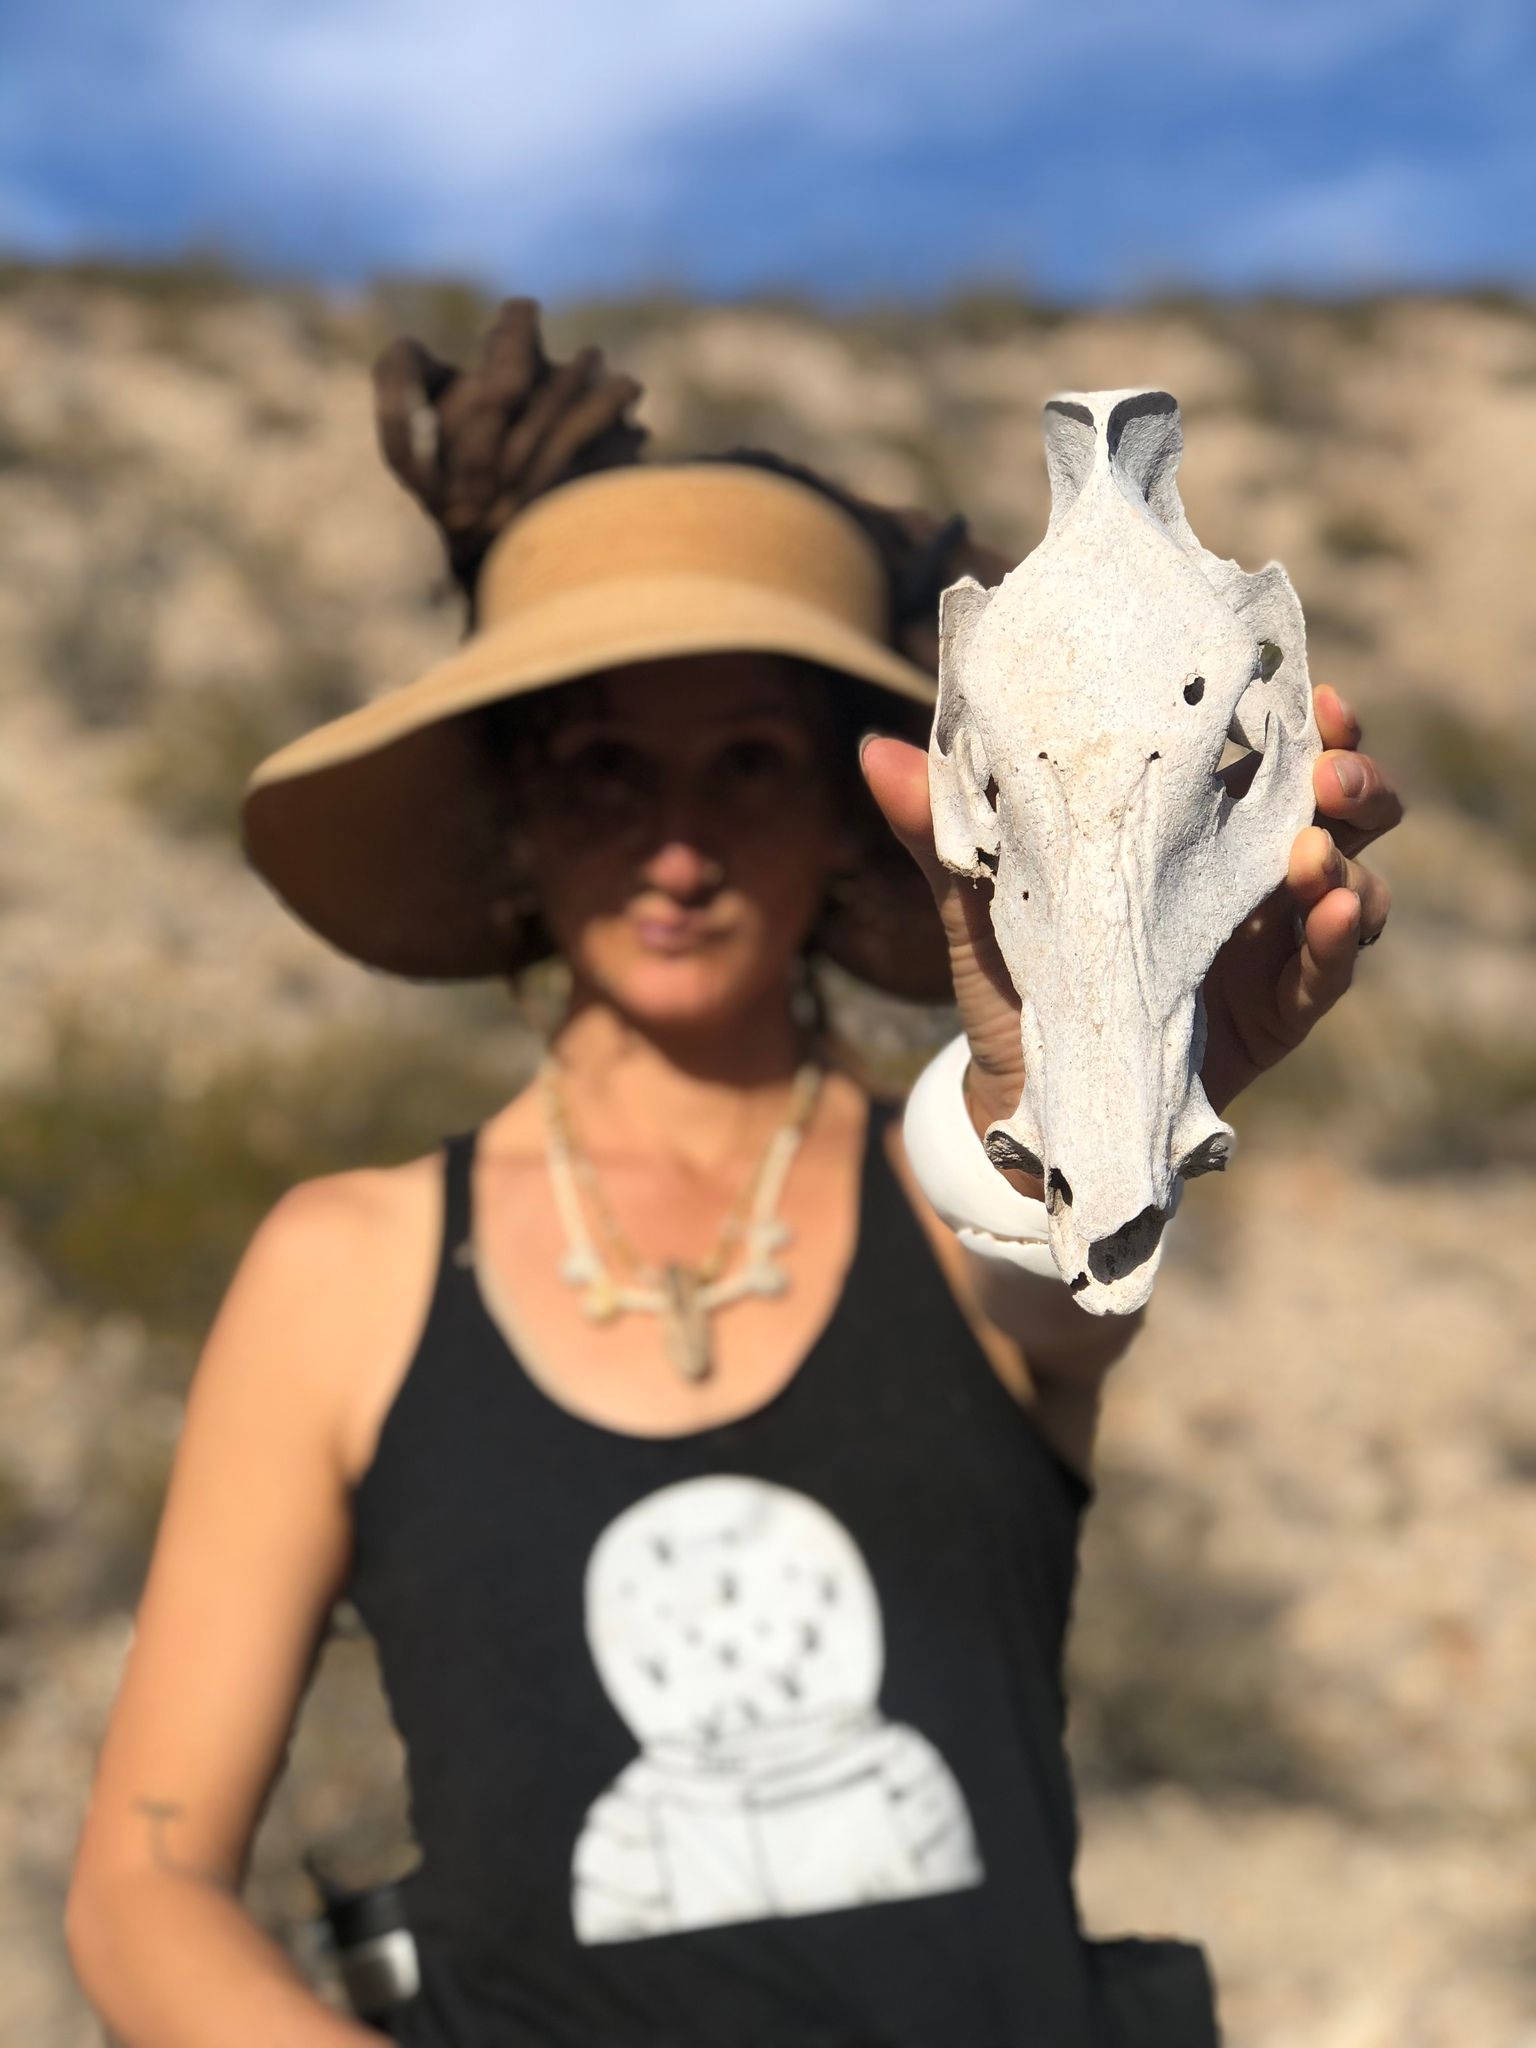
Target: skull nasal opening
1112,1257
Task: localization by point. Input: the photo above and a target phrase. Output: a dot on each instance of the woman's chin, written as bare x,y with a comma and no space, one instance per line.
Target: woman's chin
696,991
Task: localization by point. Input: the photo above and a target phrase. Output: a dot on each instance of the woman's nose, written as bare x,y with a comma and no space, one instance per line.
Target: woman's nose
683,869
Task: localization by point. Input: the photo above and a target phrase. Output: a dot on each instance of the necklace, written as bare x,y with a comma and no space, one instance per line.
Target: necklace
683,1296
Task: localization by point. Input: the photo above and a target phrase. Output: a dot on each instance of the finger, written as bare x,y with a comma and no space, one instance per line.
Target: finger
1321,970
1358,799
1337,721
1375,899
1317,865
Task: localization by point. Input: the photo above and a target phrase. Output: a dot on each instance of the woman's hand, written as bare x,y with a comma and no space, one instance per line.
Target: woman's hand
1277,974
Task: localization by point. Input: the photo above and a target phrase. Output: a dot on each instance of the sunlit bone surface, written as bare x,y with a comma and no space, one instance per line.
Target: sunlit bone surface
1085,709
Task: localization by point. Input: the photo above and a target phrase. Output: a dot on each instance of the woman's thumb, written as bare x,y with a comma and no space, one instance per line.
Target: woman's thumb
897,775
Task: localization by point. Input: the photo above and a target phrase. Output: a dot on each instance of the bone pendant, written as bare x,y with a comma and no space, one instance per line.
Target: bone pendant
1084,710
685,1324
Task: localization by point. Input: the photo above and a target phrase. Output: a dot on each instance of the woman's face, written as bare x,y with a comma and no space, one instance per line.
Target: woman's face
681,826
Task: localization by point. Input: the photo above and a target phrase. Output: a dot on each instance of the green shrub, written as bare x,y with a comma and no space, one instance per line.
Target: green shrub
96,654
200,745
1330,624
1359,536
1477,1109
712,419
1172,1666
197,279
132,1196
448,314
1437,1099
992,313
617,326
1485,771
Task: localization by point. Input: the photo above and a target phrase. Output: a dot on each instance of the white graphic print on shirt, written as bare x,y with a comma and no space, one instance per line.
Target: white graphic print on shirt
736,1628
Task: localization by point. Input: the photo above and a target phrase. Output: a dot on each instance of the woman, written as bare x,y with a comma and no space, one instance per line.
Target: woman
714,1512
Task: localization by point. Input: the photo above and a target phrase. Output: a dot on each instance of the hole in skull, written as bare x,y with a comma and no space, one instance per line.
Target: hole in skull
990,792
1006,1151
1058,1189
1128,1247
1237,767
1042,755
1240,756
987,858
1194,689
1270,658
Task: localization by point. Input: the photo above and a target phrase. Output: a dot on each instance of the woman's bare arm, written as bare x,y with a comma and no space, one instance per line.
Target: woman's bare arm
253,1547
1052,1357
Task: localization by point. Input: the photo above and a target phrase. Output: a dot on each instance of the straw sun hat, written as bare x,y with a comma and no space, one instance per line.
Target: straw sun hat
378,829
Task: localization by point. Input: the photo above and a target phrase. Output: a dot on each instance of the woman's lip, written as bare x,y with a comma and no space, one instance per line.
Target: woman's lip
672,934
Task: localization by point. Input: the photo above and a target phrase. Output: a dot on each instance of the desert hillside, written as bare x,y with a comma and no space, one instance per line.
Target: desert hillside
1304,1654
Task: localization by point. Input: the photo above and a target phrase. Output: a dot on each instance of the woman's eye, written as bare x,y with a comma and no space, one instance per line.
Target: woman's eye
604,771
753,760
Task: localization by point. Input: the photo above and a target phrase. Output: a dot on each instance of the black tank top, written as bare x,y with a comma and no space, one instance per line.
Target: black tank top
749,1736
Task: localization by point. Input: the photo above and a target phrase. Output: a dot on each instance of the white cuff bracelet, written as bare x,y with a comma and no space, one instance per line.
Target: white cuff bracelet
988,1215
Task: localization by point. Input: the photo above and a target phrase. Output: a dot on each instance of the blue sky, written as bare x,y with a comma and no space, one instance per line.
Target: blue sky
1085,148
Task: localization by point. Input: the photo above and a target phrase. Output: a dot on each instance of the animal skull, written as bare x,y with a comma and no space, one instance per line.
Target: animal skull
1084,709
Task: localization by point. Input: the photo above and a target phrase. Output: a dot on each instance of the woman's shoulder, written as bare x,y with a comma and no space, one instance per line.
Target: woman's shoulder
365,1216
355,1214
335,1266
340,1273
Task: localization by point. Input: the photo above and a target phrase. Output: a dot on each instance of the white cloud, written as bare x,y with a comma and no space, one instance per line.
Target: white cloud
524,113
1364,226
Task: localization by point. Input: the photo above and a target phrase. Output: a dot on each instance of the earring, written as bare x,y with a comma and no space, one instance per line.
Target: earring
807,1002
843,884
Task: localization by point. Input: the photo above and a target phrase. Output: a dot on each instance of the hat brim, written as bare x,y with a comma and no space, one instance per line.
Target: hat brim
377,828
